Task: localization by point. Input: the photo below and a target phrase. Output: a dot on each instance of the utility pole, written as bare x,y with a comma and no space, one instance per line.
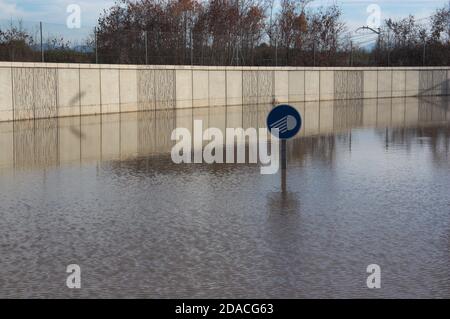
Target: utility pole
192,47
314,52
424,52
389,49
376,31
146,47
351,53
95,43
378,57
271,22
271,33
42,44
236,50
276,52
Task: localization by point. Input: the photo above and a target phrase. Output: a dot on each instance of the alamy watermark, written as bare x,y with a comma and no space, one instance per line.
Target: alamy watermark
73,281
73,20
374,279
189,147
374,19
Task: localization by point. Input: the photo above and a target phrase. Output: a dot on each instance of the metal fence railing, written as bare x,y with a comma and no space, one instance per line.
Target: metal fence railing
27,41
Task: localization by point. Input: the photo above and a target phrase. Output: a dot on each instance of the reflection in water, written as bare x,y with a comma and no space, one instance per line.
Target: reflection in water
367,182
283,200
51,142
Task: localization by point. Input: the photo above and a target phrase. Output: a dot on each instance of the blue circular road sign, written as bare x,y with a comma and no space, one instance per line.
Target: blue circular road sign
286,119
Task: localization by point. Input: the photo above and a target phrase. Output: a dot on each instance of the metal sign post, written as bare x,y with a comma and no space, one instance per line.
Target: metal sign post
283,154
288,122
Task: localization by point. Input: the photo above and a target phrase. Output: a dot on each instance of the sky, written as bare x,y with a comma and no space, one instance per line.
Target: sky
53,12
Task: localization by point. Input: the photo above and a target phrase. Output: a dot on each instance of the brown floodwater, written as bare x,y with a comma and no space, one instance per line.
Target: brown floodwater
368,182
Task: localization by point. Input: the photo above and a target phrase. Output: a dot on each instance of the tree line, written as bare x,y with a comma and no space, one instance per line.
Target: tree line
240,32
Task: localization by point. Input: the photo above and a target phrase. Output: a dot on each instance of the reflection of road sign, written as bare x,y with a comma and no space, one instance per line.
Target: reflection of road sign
286,119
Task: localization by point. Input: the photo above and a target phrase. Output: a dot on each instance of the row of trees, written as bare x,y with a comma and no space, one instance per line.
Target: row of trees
409,42
19,44
222,32
239,32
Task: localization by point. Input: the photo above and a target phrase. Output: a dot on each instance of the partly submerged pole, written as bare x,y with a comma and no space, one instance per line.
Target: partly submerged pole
283,154
287,122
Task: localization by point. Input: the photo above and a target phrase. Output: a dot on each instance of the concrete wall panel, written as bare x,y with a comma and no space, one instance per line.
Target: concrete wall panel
250,87
146,90
69,92
234,87
265,87
90,91
45,93
165,89
412,83
340,85
110,90
370,84
23,93
183,79
384,84
448,82
128,91
217,88
296,86
355,86
281,86
201,88
398,83
312,85
426,83
440,82
326,85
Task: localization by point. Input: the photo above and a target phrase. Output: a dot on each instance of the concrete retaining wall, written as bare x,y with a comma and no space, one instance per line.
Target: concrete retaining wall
47,90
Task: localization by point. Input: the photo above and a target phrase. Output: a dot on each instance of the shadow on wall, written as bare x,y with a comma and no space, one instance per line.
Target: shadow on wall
73,101
434,83
77,98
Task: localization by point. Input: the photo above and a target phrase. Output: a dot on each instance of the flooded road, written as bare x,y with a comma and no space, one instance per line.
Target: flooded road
368,182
